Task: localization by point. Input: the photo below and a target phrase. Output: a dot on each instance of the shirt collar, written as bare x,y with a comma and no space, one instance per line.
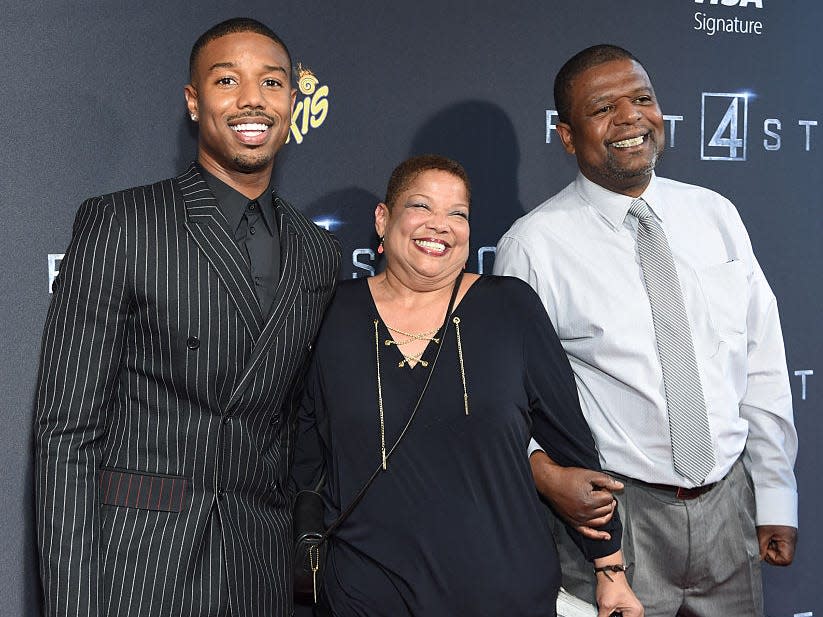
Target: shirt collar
615,206
233,203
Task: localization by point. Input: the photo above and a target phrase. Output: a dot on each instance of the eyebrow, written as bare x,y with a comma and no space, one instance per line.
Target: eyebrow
428,198
609,96
270,68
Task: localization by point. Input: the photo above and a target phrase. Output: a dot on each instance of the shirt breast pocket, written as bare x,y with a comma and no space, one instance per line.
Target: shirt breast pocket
725,288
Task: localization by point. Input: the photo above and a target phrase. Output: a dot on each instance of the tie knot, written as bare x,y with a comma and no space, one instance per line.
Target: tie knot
640,209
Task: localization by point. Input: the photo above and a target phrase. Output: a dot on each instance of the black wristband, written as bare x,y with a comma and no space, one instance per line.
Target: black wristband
615,567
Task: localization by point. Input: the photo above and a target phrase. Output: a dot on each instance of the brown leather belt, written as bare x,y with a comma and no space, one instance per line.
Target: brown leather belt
679,491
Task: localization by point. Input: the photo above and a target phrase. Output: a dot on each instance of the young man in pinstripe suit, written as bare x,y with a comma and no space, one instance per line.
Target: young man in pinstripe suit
174,345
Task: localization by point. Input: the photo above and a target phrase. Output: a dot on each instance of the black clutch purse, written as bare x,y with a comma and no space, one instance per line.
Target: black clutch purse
309,546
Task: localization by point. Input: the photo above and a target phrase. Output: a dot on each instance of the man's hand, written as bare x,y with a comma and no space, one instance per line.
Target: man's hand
582,497
777,543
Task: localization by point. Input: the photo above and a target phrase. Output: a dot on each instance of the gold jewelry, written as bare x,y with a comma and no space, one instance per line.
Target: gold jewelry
380,396
411,359
413,336
456,322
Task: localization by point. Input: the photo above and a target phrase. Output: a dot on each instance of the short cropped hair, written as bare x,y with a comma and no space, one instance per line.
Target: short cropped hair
233,26
583,61
405,173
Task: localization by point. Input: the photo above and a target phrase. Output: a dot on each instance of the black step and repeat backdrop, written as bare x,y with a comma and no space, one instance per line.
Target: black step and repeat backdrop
92,101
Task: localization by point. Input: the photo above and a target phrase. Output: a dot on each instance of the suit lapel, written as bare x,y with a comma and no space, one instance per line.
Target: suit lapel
210,230
284,297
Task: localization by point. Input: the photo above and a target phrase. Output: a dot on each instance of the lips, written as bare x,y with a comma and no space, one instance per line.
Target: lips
251,131
432,246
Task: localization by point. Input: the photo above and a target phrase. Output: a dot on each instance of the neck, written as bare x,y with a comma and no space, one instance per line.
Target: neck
414,291
249,184
631,187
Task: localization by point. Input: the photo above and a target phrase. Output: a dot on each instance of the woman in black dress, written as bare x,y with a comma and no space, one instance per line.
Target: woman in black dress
453,525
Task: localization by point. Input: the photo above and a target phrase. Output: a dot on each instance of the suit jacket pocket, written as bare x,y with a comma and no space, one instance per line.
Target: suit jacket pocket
146,491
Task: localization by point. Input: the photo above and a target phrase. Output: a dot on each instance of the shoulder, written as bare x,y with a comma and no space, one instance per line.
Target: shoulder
308,228
349,307
693,194
509,294
126,203
350,297
685,189
543,219
707,204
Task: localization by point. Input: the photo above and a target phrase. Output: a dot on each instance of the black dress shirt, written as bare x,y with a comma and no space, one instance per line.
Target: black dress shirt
254,223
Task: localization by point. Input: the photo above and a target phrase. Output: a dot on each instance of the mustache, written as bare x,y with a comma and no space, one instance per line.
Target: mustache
251,114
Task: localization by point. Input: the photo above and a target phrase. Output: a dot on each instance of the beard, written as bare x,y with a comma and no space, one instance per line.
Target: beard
249,163
613,169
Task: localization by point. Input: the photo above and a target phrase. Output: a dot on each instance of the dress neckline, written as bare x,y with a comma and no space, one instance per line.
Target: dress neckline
427,351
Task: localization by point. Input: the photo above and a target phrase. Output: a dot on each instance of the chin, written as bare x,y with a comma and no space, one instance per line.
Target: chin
249,164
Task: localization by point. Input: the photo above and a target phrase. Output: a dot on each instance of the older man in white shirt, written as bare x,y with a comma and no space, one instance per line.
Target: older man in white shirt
674,338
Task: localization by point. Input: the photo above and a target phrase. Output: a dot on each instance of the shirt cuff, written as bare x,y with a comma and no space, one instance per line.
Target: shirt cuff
776,506
534,447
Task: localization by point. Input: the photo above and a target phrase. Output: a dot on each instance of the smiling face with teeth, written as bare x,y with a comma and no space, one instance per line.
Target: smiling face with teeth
242,98
615,126
426,230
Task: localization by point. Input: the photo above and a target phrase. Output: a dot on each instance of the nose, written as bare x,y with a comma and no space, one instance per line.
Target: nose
439,222
250,95
626,112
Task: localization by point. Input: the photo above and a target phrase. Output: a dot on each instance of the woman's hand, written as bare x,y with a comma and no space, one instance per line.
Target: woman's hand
613,593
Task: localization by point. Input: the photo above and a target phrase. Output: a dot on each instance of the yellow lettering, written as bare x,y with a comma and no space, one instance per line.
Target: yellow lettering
295,115
319,106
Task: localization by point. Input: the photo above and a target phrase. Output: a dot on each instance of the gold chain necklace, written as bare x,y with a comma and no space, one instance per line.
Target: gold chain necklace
411,337
456,322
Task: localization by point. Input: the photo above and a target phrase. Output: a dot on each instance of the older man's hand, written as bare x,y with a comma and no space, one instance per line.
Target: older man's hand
777,544
582,497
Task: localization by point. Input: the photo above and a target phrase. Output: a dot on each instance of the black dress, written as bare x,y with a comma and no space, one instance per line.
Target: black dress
454,526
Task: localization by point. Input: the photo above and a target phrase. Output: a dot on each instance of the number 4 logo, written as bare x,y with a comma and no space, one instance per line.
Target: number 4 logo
729,113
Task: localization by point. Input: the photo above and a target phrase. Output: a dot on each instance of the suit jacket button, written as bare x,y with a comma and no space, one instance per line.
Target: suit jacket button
226,419
193,343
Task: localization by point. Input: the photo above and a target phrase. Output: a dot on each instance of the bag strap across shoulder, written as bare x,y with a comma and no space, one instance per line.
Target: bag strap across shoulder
361,493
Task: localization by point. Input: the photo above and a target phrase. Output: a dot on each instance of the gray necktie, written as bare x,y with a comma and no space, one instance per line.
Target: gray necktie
688,423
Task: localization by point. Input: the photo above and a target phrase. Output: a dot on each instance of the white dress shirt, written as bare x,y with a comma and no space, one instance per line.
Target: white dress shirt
578,251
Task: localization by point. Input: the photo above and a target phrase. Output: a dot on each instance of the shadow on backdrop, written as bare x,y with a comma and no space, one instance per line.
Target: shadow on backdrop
349,214
481,137
186,144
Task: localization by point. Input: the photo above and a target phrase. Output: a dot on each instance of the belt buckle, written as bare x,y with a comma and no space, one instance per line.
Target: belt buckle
684,493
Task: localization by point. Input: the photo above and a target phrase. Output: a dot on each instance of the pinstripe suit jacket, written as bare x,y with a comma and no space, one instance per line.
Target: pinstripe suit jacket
162,402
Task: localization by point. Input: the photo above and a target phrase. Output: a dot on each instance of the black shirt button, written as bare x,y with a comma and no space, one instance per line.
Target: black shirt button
251,230
193,343
253,206
220,495
226,419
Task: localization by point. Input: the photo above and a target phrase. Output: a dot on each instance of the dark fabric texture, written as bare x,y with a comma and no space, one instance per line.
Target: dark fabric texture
158,360
254,224
454,526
